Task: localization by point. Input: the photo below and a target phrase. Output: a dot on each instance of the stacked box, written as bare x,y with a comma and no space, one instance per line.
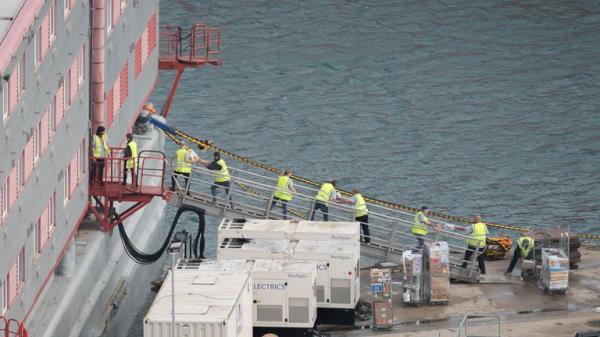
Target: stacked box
381,287
412,264
382,313
555,269
436,283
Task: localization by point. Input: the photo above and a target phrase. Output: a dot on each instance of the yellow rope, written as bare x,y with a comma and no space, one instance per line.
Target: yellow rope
371,200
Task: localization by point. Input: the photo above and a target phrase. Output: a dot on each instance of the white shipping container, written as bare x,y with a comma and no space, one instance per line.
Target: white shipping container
284,293
289,229
207,304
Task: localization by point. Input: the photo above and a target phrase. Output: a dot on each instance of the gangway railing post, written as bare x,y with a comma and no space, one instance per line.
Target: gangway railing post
311,210
268,205
471,263
389,250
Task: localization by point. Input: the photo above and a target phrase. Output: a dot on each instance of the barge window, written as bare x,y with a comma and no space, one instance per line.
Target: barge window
52,27
68,6
67,183
21,77
52,213
37,142
38,46
4,106
4,199
3,295
109,19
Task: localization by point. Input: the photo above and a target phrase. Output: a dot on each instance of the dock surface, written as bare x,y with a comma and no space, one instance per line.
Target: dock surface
525,310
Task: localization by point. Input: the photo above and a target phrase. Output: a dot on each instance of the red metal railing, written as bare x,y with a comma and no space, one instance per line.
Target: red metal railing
12,328
149,165
195,46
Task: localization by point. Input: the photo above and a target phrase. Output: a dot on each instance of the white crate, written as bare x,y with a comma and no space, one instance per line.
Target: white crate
289,229
207,304
284,293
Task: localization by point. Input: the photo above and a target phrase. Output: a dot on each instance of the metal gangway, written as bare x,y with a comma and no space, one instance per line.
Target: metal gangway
251,195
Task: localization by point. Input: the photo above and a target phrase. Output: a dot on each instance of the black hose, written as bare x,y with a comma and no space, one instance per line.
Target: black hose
199,239
143,258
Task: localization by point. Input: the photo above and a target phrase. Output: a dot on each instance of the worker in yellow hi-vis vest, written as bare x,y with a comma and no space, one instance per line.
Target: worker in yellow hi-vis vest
100,150
222,177
524,249
131,152
326,194
182,166
361,213
476,244
421,227
283,191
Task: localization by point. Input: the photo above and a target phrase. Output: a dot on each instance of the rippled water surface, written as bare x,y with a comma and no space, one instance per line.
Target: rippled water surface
465,106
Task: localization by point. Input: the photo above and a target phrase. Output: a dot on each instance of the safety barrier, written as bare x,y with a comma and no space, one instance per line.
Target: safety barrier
463,329
12,328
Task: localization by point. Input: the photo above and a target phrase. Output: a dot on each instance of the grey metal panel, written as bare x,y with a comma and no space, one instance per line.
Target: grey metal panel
320,293
341,291
299,312
269,313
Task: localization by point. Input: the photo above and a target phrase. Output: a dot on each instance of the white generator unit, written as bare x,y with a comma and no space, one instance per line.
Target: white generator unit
327,231
252,249
284,293
207,304
254,229
337,264
338,271
289,229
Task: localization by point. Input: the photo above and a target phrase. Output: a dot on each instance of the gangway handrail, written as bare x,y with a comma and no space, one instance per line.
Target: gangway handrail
393,224
333,205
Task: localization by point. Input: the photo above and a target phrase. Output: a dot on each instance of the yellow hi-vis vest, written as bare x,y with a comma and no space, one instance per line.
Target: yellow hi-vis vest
324,193
99,144
360,207
525,252
283,192
131,163
419,227
181,165
223,174
478,235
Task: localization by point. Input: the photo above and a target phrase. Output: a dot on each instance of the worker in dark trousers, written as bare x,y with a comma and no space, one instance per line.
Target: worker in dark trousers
361,213
476,244
283,191
524,248
326,194
222,177
100,151
131,153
